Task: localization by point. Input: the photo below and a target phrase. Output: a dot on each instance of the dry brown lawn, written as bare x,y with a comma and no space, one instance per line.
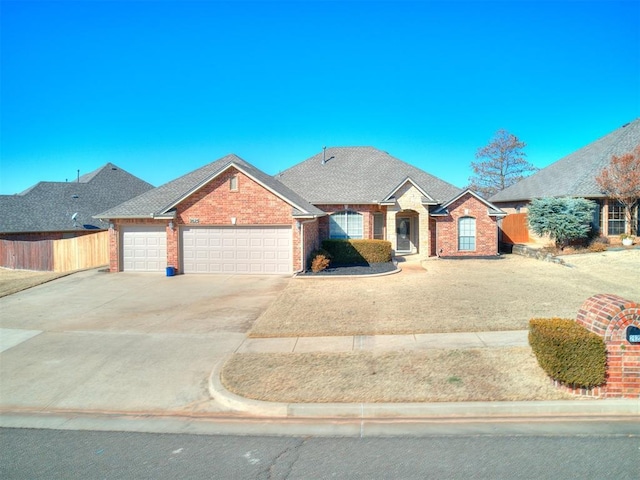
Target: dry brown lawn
12,281
508,374
449,296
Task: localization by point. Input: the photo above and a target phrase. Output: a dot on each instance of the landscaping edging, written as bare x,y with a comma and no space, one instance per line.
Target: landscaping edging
525,251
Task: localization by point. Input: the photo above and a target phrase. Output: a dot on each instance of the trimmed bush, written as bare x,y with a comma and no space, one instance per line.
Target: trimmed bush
319,260
349,252
568,352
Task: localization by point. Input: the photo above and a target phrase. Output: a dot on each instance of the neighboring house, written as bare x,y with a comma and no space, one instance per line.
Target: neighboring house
575,176
230,217
51,211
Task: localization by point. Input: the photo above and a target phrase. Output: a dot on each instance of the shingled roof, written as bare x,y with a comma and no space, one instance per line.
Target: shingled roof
161,201
50,206
575,175
360,175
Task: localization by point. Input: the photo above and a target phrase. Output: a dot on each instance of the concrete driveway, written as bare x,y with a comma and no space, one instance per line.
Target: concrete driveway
124,342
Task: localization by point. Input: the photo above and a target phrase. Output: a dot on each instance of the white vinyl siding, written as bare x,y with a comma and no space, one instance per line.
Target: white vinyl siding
244,250
345,225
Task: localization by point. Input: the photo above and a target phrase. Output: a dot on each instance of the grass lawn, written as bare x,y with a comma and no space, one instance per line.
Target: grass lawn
449,296
12,281
489,374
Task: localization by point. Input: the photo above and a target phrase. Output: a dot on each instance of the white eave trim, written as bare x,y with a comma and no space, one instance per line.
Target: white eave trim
408,179
489,205
220,172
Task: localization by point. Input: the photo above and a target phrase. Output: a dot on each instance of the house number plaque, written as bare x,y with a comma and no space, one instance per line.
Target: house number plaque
194,220
633,334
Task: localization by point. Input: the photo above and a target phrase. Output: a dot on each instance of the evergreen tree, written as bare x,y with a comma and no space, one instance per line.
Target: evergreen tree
563,219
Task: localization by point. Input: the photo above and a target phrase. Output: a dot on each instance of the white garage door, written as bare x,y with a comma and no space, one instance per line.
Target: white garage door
257,250
144,249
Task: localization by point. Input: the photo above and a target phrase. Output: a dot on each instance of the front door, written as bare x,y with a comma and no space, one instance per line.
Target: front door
403,230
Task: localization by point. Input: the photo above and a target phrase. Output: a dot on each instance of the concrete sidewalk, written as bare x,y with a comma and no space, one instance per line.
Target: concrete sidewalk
385,342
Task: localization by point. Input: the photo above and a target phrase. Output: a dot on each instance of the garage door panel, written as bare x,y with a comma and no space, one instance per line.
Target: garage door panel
144,248
248,250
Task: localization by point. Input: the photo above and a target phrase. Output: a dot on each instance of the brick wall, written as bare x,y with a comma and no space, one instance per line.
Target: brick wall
311,242
250,204
609,316
214,205
486,229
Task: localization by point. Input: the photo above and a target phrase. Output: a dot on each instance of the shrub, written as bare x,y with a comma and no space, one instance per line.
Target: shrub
564,219
601,240
568,352
348,252
597,247
320,259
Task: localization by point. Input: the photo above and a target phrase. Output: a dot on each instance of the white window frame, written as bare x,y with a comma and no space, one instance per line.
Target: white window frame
378,221
467,234
346,225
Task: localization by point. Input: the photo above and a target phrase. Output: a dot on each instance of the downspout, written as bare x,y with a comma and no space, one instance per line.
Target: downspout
303,260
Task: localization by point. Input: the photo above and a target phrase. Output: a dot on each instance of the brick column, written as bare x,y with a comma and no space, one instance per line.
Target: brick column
609,316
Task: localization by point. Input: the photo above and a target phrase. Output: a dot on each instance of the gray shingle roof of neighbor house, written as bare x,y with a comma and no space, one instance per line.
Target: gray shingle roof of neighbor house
360,175
161,201
575,175
50,206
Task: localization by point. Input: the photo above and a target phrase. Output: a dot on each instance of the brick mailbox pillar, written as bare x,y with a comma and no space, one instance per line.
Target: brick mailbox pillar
617,320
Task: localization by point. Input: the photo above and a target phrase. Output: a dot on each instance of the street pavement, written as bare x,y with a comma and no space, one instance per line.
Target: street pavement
143,352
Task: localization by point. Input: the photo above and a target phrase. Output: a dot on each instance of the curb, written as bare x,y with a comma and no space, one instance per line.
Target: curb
441,410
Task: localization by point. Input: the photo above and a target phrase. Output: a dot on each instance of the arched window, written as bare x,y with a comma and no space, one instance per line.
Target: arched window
467,233
345,225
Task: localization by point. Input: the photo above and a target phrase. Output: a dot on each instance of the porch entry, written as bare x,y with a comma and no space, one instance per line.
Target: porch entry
406,233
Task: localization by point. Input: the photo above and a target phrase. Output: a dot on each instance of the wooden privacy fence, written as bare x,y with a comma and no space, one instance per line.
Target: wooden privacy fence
81,252
65,255
20,255
515,229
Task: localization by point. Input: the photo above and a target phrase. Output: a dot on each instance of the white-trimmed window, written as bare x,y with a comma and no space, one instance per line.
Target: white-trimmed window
233,183
617,219
467,234
345,225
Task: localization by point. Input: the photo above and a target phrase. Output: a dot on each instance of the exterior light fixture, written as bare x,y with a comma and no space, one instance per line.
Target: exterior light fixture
171,225
233,220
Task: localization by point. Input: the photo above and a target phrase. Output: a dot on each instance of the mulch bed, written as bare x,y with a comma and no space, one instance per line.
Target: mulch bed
354,269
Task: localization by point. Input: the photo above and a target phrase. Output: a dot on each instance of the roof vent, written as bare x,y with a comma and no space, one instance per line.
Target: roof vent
324,156
74,196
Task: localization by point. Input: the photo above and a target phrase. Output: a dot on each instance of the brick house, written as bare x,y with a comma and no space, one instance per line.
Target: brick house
575,176
230,217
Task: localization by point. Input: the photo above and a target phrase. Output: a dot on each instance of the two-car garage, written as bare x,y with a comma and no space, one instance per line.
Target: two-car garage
230,250
256,250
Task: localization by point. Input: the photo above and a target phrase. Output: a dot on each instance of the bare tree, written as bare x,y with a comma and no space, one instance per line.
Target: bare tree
620,180
502,164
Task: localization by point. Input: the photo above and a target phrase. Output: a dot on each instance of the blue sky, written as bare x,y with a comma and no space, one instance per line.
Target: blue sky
162,88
